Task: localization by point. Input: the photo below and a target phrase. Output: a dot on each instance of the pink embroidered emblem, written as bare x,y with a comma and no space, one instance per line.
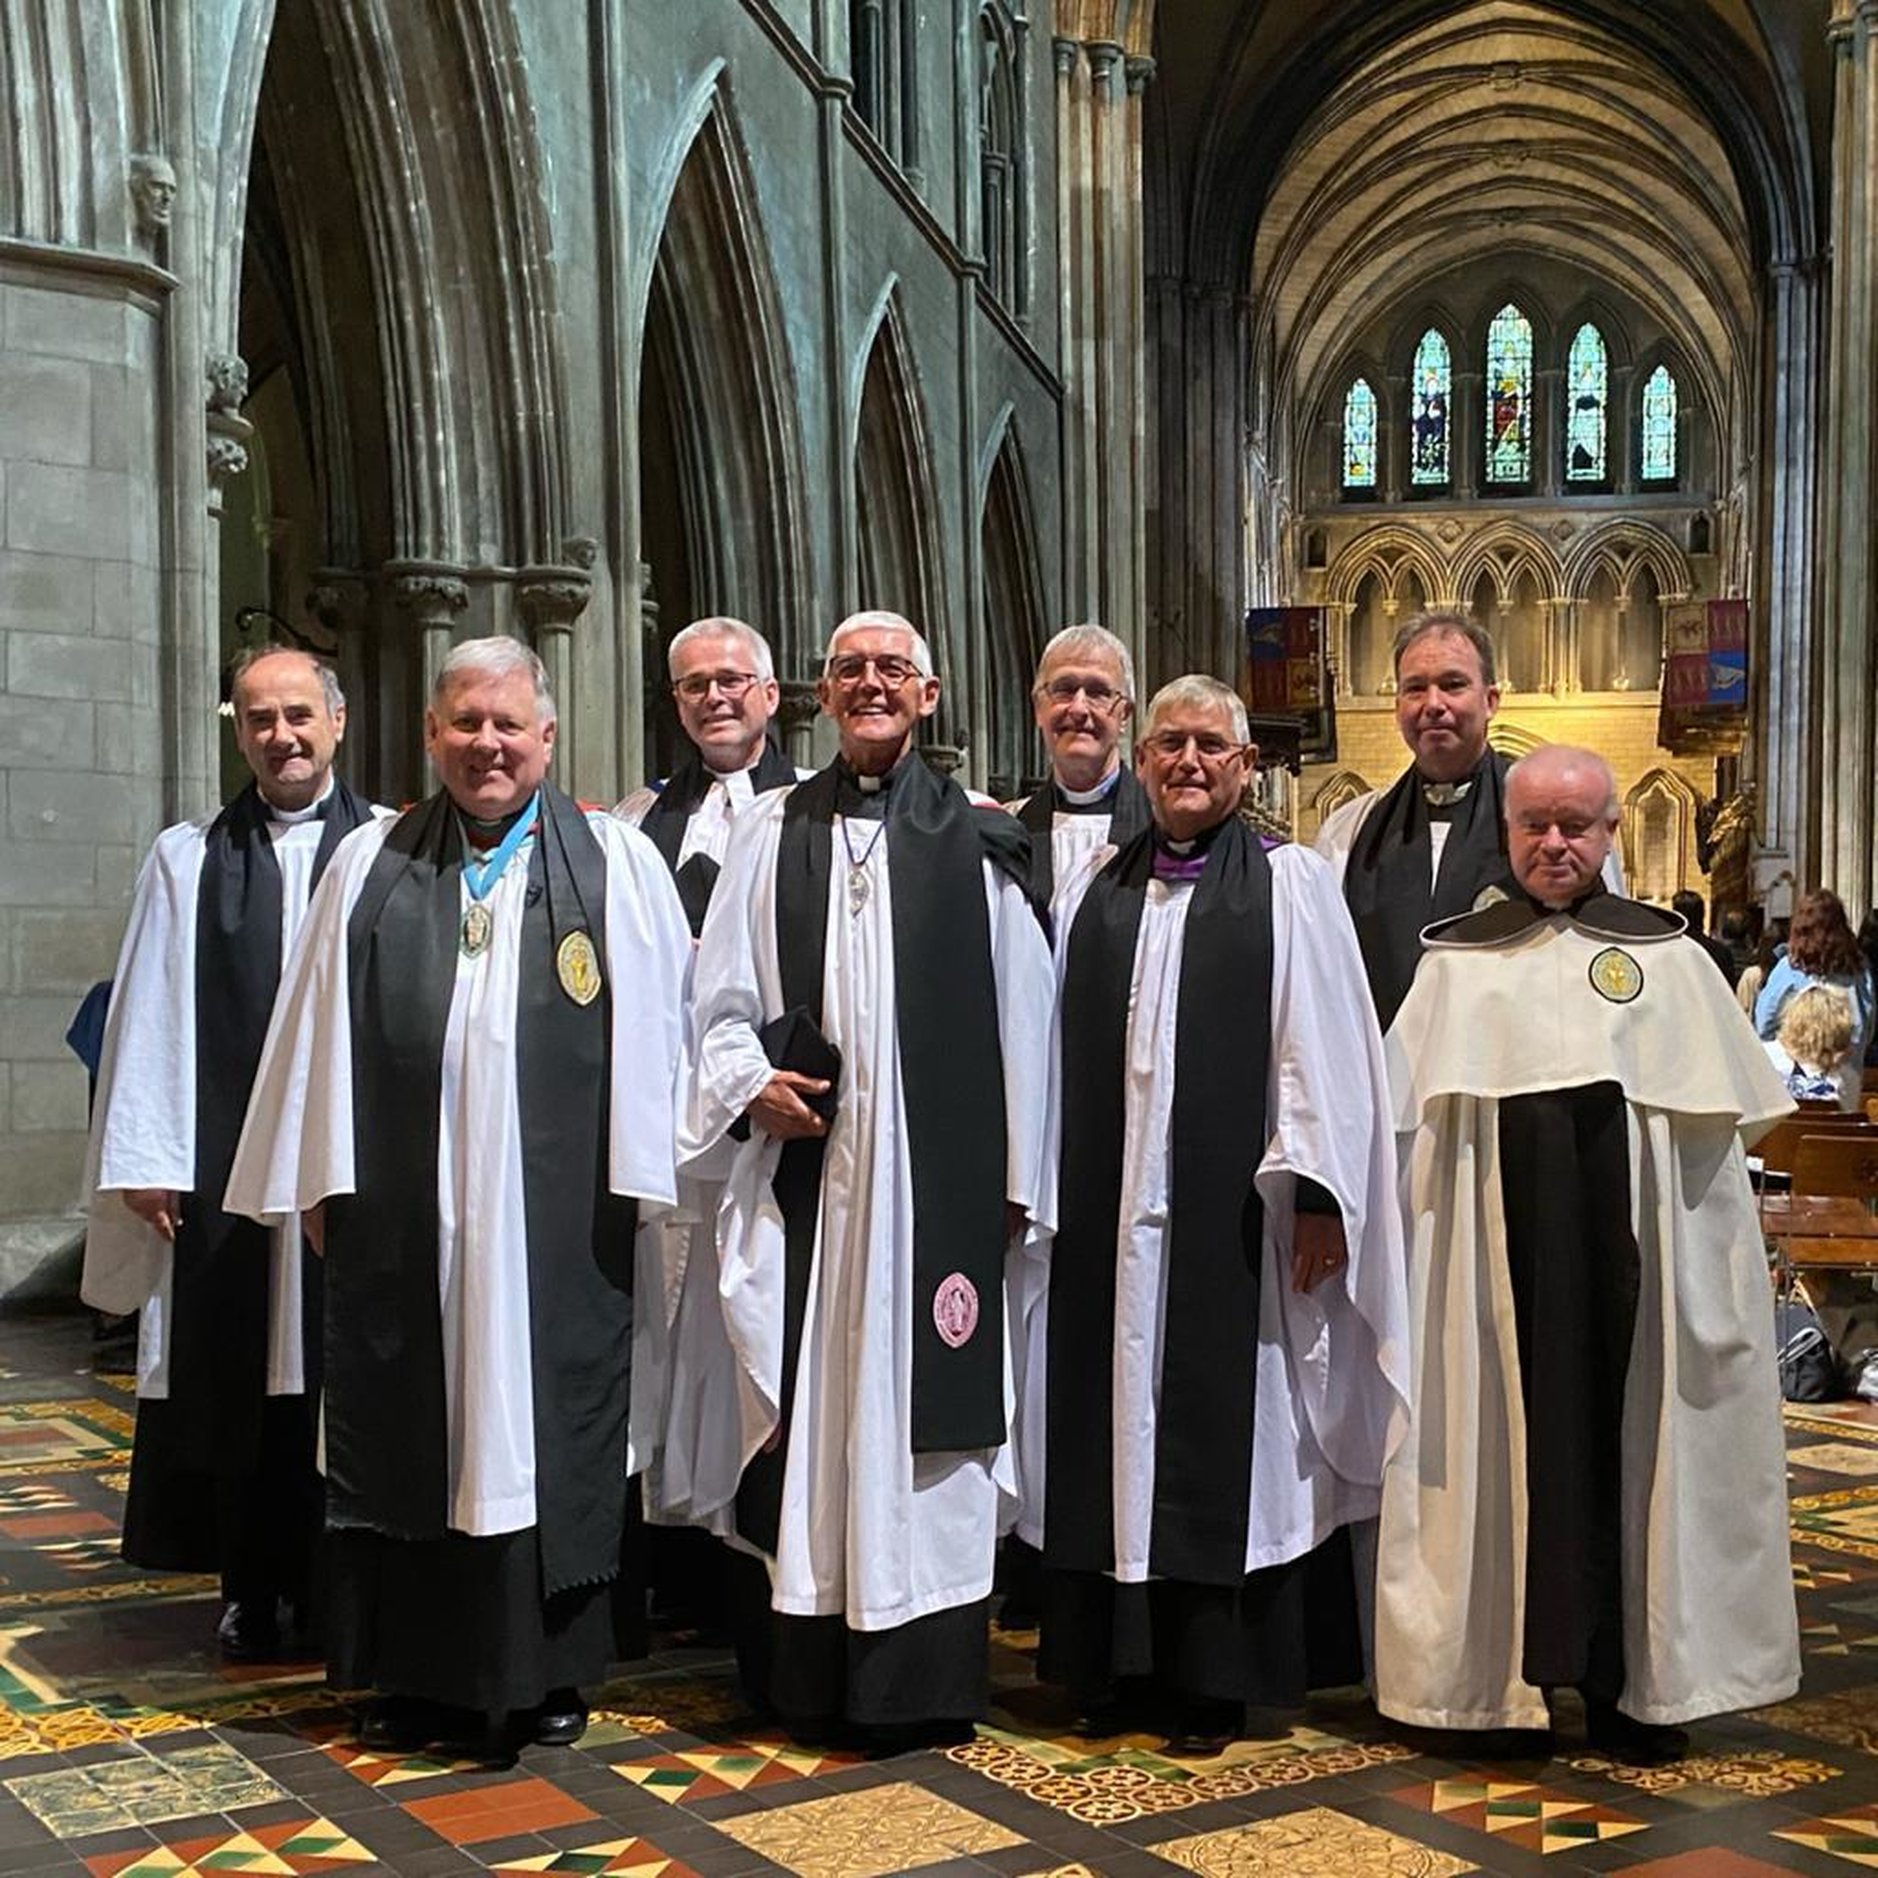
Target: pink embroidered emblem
955,1310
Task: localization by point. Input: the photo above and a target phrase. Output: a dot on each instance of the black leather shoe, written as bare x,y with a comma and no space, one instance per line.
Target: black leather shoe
561,1720
249,1632
395,1724
1624,1738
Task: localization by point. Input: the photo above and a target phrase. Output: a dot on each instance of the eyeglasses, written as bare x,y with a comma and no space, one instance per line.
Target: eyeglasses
696,687
1171,745
849,668
1101,696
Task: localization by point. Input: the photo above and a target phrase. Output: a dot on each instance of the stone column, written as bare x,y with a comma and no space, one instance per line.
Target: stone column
550,601
1842,848
430,597
1098,95
1780,666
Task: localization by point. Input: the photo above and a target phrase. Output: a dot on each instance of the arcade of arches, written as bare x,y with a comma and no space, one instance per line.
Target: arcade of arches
393,324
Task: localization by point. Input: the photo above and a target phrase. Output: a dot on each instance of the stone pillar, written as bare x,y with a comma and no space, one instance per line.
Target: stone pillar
1841,851
796,713
1780,666
430,597
338,602
1098,99
550,601
1337,620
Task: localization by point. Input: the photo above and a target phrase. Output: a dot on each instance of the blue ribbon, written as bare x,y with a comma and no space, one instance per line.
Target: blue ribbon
480,879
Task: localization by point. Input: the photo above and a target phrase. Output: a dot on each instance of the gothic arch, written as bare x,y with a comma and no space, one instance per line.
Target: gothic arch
1014,623
1506,551
1658,828
1513,740
1387,552
1344,786
719,393
1621,548
896,501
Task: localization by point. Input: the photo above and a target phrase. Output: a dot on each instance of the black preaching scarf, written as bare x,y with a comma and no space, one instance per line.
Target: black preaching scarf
219,1282
1126,806
1386,881
386,1440
673,806
1215,1233
951,1061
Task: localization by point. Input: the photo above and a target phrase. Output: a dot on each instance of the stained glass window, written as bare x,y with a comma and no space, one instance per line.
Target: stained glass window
1359,437
1509,397
1428,426
1588,383
1659,427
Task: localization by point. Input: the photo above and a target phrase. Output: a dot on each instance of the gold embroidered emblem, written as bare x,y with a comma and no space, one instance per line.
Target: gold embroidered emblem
579,968
1616,975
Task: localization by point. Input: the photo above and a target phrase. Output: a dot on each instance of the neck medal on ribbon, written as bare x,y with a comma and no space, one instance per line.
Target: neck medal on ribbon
479,923
579,968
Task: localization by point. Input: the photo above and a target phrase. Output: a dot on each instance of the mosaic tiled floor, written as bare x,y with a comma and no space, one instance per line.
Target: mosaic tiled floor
128,1751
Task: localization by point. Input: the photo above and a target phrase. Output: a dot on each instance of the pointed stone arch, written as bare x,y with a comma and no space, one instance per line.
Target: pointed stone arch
1388,552
1014,620
1514,740
1658,833
1622,547
898,563
1344,785
722,528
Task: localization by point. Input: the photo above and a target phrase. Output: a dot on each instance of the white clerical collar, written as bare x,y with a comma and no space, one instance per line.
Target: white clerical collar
292,818
735,783
1080,798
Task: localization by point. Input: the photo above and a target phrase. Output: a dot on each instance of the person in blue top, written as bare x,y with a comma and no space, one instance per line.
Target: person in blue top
1822,949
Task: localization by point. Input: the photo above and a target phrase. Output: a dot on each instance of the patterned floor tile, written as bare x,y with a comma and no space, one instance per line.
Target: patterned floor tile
395,1770
639,1858
500,1811
703,1774
298,1847
868,1833
1836,1457
1755,1774
1851,1835
1133,1781
1520,1813
1848,1719
1318,1842
142,1790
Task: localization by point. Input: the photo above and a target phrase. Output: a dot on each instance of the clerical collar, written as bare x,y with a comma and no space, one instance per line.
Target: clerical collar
866,797
1445,795
482,837
1183,860
315,811
1088,801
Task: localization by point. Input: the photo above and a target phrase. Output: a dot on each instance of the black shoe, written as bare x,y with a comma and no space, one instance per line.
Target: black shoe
886,1738
249,1632
1636,1743
395,1724
1204,1728
1495,1744
561,1720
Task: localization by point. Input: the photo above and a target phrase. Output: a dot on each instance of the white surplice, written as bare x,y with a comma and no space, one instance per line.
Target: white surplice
1074,837
1331,1364
684,1370
1709,1621
297,1146
870,1531
143,1119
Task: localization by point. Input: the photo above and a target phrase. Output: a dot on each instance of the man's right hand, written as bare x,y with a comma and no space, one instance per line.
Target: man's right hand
778,1110
158,1207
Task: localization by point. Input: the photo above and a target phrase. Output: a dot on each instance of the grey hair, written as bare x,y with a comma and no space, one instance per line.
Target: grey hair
495,657
1567,756
248,657
1445,620
1198,688
891,622
1090,641
723,627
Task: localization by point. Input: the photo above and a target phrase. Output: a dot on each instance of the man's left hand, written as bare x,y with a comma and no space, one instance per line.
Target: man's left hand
1317,1249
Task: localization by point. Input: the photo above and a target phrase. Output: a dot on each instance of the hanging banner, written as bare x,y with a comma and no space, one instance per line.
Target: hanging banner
1286,675
1705,678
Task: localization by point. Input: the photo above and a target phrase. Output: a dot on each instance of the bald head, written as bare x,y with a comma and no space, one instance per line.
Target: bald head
1561,815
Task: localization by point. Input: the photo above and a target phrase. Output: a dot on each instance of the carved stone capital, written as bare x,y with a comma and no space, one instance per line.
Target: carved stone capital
580,551
227,452
1140,71
943,757
433,596
1104,56
551,599
798,707
337,600
1064,52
